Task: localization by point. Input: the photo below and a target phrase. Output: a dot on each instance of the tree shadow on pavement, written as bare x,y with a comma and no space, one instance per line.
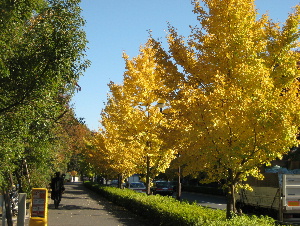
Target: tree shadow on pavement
72,207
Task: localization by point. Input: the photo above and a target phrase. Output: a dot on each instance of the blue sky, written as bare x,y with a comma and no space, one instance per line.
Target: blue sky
114,26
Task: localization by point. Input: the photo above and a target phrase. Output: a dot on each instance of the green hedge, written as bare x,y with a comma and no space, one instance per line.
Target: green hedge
164,210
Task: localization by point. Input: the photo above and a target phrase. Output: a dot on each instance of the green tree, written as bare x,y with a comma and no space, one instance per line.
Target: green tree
41,59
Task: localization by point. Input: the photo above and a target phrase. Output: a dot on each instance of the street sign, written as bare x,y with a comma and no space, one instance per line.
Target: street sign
39,207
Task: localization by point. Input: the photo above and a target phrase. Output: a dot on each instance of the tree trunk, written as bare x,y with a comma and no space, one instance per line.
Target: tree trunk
24,173
178,196
231,182
148,176
231,208
8,209
120,179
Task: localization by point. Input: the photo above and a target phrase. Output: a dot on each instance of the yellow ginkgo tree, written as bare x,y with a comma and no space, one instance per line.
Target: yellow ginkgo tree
131,137
239,104
144,86
118,133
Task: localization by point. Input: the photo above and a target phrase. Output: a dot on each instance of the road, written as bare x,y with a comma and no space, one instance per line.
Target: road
212,201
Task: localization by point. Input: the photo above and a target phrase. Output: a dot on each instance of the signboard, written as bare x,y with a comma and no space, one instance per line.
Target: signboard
38,203
39,207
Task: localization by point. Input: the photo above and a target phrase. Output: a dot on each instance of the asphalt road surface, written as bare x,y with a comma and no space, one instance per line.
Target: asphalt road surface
212,201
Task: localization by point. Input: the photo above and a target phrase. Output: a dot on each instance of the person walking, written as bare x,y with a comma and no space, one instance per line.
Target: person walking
57,188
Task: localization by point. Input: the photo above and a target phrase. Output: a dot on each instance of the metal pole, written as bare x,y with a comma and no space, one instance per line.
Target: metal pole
21,209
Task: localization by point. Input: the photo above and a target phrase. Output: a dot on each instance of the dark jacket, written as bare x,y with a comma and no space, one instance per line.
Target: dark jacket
57,186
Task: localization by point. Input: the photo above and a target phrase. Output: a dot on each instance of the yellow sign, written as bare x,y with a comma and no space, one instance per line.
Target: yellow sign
39,207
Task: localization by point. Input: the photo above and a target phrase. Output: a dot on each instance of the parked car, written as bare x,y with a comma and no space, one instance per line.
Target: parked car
162,188
136,186
114,183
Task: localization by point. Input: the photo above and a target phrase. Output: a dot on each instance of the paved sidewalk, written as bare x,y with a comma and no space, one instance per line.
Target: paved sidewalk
82,207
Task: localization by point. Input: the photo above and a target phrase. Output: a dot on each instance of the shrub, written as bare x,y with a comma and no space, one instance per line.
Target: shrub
165,210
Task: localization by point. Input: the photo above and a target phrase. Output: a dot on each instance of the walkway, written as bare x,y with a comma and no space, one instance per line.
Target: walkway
82,207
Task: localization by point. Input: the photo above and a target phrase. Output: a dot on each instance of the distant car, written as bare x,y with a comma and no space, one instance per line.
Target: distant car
162,188
114,183
136,186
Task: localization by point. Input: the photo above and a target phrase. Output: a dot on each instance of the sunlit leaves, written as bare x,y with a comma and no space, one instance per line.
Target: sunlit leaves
132,123
242,112
231,90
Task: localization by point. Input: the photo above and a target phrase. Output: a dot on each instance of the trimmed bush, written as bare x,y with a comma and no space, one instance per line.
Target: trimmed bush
165,210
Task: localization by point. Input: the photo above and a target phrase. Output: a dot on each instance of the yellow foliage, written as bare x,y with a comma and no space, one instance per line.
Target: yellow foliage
132,124
231,97
239,103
